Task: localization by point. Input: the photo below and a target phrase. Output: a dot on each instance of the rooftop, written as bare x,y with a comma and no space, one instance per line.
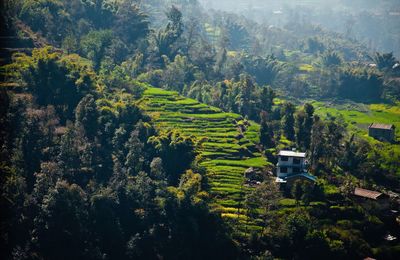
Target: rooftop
300,175
292,154
369,194
381,126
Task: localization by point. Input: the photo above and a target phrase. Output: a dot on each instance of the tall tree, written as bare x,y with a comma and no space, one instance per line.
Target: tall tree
308,123
134,158
86,116
131,23
94,46
267,99
384,61
166,39
317,142
63,219
288,121
266,131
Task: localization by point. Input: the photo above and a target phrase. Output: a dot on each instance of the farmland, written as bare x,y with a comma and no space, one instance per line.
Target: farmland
358,117
222,153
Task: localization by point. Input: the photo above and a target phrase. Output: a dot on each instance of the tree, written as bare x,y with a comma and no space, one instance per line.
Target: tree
267,99
297,191
304,122
134,159
264,70
176,151
86,116
69,156
265,196
266,131
347,187
131,23
300,133
244,100
166,39
55,79
384,61
314,45
331,58
45,16
308,123
178,73
317,142
360,85
29,146
288,120
334,134
237,35
100,12
156,169
94,46
105,223
63,219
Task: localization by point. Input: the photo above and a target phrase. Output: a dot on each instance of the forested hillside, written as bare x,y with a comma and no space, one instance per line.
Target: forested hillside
161,130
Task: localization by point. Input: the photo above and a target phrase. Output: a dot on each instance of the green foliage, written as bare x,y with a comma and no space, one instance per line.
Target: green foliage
264,70
56,80
176,73
95,44
331,58
237,35
219,152
266,131
384,61
82,165
165,39
360,85
288,121
131,23
172,147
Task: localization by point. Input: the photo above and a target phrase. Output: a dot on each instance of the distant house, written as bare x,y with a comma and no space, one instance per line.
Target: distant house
374,199
291,166
368,194
382,132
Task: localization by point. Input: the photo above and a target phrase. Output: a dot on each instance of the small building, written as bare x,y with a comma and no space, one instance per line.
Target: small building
372,199
368,194
292,166
383,132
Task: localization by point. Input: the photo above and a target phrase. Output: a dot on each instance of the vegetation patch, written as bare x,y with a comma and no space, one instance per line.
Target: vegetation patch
223,155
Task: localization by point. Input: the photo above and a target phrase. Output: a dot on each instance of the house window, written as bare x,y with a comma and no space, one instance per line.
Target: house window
296,170
283,169
296,161
284,158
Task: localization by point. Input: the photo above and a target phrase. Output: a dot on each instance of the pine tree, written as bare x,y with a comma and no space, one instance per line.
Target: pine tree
266,131
86,116
288,121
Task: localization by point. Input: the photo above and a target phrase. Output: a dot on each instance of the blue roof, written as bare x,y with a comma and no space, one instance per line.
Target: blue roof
304,174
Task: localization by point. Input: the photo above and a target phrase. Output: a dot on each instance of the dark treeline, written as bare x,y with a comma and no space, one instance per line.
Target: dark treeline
84,174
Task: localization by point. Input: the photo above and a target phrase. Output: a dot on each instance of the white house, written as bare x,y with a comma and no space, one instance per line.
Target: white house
291,166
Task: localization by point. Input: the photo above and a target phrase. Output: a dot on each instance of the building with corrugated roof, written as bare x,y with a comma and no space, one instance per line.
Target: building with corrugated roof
383,132
369,194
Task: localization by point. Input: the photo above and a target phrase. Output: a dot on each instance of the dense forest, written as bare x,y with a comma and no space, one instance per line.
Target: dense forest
153,129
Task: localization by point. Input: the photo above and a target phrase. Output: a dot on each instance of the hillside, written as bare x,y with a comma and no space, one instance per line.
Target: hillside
222,153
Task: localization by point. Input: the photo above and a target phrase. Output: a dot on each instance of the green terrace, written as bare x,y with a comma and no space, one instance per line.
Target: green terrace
224,151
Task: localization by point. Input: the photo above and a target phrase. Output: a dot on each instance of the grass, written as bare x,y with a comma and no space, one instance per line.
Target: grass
359,116
222,154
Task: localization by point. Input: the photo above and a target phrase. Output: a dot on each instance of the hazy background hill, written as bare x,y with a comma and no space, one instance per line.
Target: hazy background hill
375,23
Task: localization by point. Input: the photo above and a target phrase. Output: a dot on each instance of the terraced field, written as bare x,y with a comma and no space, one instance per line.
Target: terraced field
226,151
